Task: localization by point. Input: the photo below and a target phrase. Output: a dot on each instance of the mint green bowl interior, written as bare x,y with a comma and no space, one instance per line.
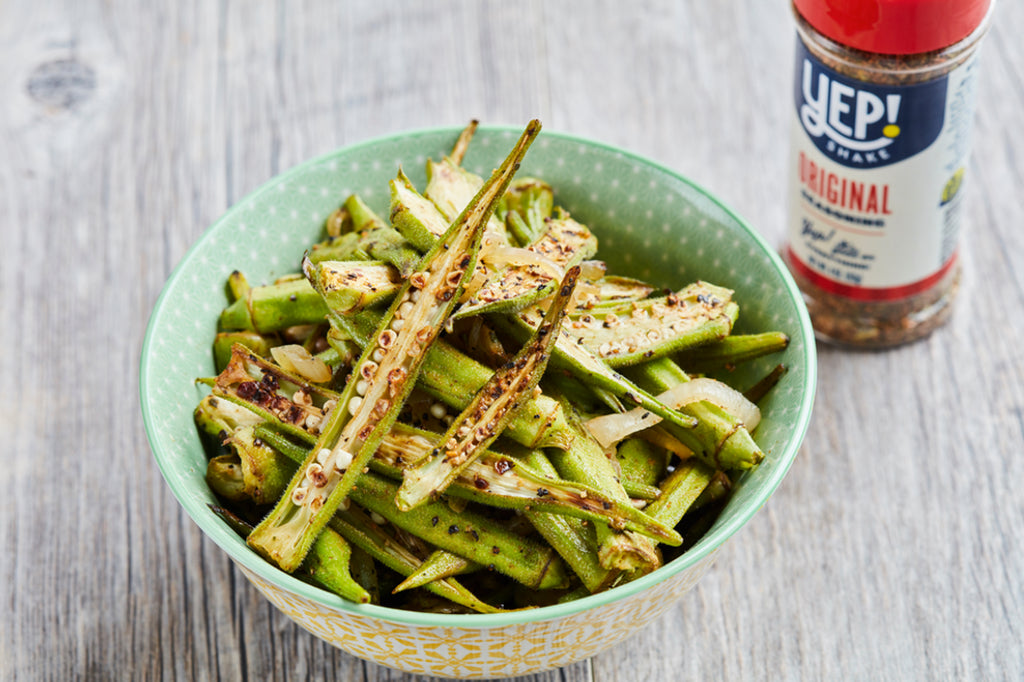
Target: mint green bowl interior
651,223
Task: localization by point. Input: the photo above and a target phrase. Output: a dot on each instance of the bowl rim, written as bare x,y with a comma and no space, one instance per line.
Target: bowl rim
217,531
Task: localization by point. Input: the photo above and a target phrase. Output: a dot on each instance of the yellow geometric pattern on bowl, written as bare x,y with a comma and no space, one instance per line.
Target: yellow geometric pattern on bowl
474,653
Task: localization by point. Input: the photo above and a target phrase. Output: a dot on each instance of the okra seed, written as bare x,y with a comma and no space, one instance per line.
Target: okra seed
368,370
415,296
329,405
344,460
316,503
397,324
321,457
405,309
438,411
300,397
299,494
418,280
362,386
387,337
377,518
378,355
312,422
353,405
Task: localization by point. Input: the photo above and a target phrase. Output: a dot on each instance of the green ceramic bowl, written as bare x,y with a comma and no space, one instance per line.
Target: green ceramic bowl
651,223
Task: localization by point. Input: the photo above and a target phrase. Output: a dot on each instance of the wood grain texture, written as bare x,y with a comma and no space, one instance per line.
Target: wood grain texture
891,552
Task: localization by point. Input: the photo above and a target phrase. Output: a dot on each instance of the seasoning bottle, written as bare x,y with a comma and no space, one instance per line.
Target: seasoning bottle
884,94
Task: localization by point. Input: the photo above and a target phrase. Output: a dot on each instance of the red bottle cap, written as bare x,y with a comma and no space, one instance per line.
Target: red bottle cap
894,26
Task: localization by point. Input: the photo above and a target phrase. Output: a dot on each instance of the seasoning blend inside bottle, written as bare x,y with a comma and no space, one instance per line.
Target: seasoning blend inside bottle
884,95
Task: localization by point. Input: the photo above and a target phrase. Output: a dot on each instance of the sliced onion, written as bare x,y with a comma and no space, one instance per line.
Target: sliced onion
592,270
612,428
500,255
295,358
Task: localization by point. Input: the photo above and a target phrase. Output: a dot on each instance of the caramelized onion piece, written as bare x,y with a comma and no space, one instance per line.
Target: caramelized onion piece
295,358
612,428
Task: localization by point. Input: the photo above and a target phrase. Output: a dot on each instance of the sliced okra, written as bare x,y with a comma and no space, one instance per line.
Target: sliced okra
328,563
637,331
358,528
468,534
679,491
521,277
731,350
273,307
439,565
415,216
379,240
491,409
570,353
274,393
450,187
529,201
265,471
642,466
585,462
497,480
350,286
222,343
575,541
454,378
380,380
609,291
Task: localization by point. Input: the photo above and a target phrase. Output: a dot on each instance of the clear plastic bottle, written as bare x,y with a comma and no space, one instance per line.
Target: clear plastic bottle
884,93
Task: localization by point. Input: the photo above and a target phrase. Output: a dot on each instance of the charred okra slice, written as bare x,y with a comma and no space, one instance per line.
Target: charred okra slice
492,407
380,380
350,286
574,541
571,353
517,277
497,480
273,393
454,378
641,330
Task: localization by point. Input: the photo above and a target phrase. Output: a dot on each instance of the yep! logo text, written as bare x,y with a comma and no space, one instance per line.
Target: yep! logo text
864,124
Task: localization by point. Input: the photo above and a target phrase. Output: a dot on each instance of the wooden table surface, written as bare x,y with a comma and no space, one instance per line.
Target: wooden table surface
892,551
